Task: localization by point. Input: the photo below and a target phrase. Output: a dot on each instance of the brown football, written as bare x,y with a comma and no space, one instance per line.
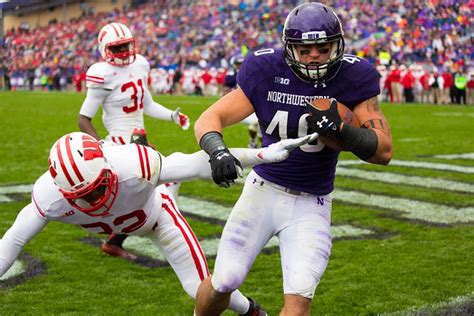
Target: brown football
345,114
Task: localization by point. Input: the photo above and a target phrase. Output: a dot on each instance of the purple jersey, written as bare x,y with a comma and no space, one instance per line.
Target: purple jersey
279,97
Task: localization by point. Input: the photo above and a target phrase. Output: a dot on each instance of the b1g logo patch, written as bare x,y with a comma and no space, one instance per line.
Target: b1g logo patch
280,80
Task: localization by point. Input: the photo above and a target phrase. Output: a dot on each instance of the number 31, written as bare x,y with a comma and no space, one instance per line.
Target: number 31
137,103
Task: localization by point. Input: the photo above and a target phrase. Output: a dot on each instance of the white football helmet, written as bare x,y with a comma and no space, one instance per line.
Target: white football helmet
117,45
82,174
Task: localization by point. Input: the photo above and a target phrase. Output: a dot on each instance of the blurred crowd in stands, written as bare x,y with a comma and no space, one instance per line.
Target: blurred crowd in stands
423,49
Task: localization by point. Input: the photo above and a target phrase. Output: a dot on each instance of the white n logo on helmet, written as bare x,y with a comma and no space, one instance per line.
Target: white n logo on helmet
313,35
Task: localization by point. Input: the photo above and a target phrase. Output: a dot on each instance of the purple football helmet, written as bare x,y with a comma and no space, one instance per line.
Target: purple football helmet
236,61
313,23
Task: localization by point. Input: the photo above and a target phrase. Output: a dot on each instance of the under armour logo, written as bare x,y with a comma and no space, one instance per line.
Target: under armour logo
324,120
322,84
222,155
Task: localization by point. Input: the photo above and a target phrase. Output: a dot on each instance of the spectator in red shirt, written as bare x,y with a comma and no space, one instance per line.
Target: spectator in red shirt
408,83
220,78
79,78
206,78
426,87
470,89
394,79
448,94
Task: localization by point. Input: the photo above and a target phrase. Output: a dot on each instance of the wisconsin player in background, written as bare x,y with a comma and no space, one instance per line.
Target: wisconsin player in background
120,85
116,189
291,199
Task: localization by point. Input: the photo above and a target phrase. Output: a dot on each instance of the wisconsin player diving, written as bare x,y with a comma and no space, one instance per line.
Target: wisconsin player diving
116,189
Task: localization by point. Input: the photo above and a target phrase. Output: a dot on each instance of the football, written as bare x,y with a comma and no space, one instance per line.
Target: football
345,114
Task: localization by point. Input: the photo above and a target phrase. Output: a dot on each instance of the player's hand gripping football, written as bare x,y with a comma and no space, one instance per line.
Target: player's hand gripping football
180,119
225,167
281,150
324,122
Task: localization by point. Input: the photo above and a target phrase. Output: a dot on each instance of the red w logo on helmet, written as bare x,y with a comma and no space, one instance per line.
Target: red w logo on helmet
102,35
92,148
51,169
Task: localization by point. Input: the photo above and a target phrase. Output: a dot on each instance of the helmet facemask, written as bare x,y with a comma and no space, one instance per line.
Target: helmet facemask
315,72
121,53
97,198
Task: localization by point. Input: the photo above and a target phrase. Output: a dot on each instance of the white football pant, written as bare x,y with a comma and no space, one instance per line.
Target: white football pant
301,223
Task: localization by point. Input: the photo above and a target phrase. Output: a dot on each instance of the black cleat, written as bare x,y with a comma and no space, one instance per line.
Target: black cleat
255,309
113,247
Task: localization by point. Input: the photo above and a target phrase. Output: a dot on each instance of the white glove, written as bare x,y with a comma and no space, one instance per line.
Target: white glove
180,119
279,151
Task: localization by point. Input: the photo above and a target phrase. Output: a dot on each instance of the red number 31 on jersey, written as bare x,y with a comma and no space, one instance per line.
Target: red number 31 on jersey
137,101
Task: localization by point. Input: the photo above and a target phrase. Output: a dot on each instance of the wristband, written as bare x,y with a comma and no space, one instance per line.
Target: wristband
362,142
211,142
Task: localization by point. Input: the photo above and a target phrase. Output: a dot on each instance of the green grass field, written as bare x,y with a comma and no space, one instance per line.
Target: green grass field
404,235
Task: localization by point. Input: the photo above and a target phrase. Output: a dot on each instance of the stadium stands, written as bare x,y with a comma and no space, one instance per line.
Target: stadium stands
200,38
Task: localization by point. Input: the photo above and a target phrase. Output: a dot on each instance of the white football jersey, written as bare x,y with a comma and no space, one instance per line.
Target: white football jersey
138,202
123,106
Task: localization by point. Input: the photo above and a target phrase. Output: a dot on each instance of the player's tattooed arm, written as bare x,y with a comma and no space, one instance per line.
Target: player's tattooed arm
371,117
372,105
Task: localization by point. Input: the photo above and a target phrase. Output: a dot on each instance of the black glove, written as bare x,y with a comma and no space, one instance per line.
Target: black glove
225,167
139,137
325,123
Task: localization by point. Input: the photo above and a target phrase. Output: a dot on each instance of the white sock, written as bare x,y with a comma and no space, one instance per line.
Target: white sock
239,303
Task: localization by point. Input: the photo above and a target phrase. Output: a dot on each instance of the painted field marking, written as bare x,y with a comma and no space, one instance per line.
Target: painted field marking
456,114
394,178
436,308
14,189
411,140
409,209
17,268
469,156
415,164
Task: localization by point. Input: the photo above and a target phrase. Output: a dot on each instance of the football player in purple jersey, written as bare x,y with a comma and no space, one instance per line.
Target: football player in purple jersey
290,199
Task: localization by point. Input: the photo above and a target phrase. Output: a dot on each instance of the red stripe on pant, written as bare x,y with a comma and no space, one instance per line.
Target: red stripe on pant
172,211
140,155
118,140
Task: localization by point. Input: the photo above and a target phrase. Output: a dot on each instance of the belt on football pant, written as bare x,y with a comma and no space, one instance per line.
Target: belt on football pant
260,181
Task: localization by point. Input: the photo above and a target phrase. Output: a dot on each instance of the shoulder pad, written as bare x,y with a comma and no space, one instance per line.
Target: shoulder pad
134,161
150,163
259,66
361,76
143,62
98,76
